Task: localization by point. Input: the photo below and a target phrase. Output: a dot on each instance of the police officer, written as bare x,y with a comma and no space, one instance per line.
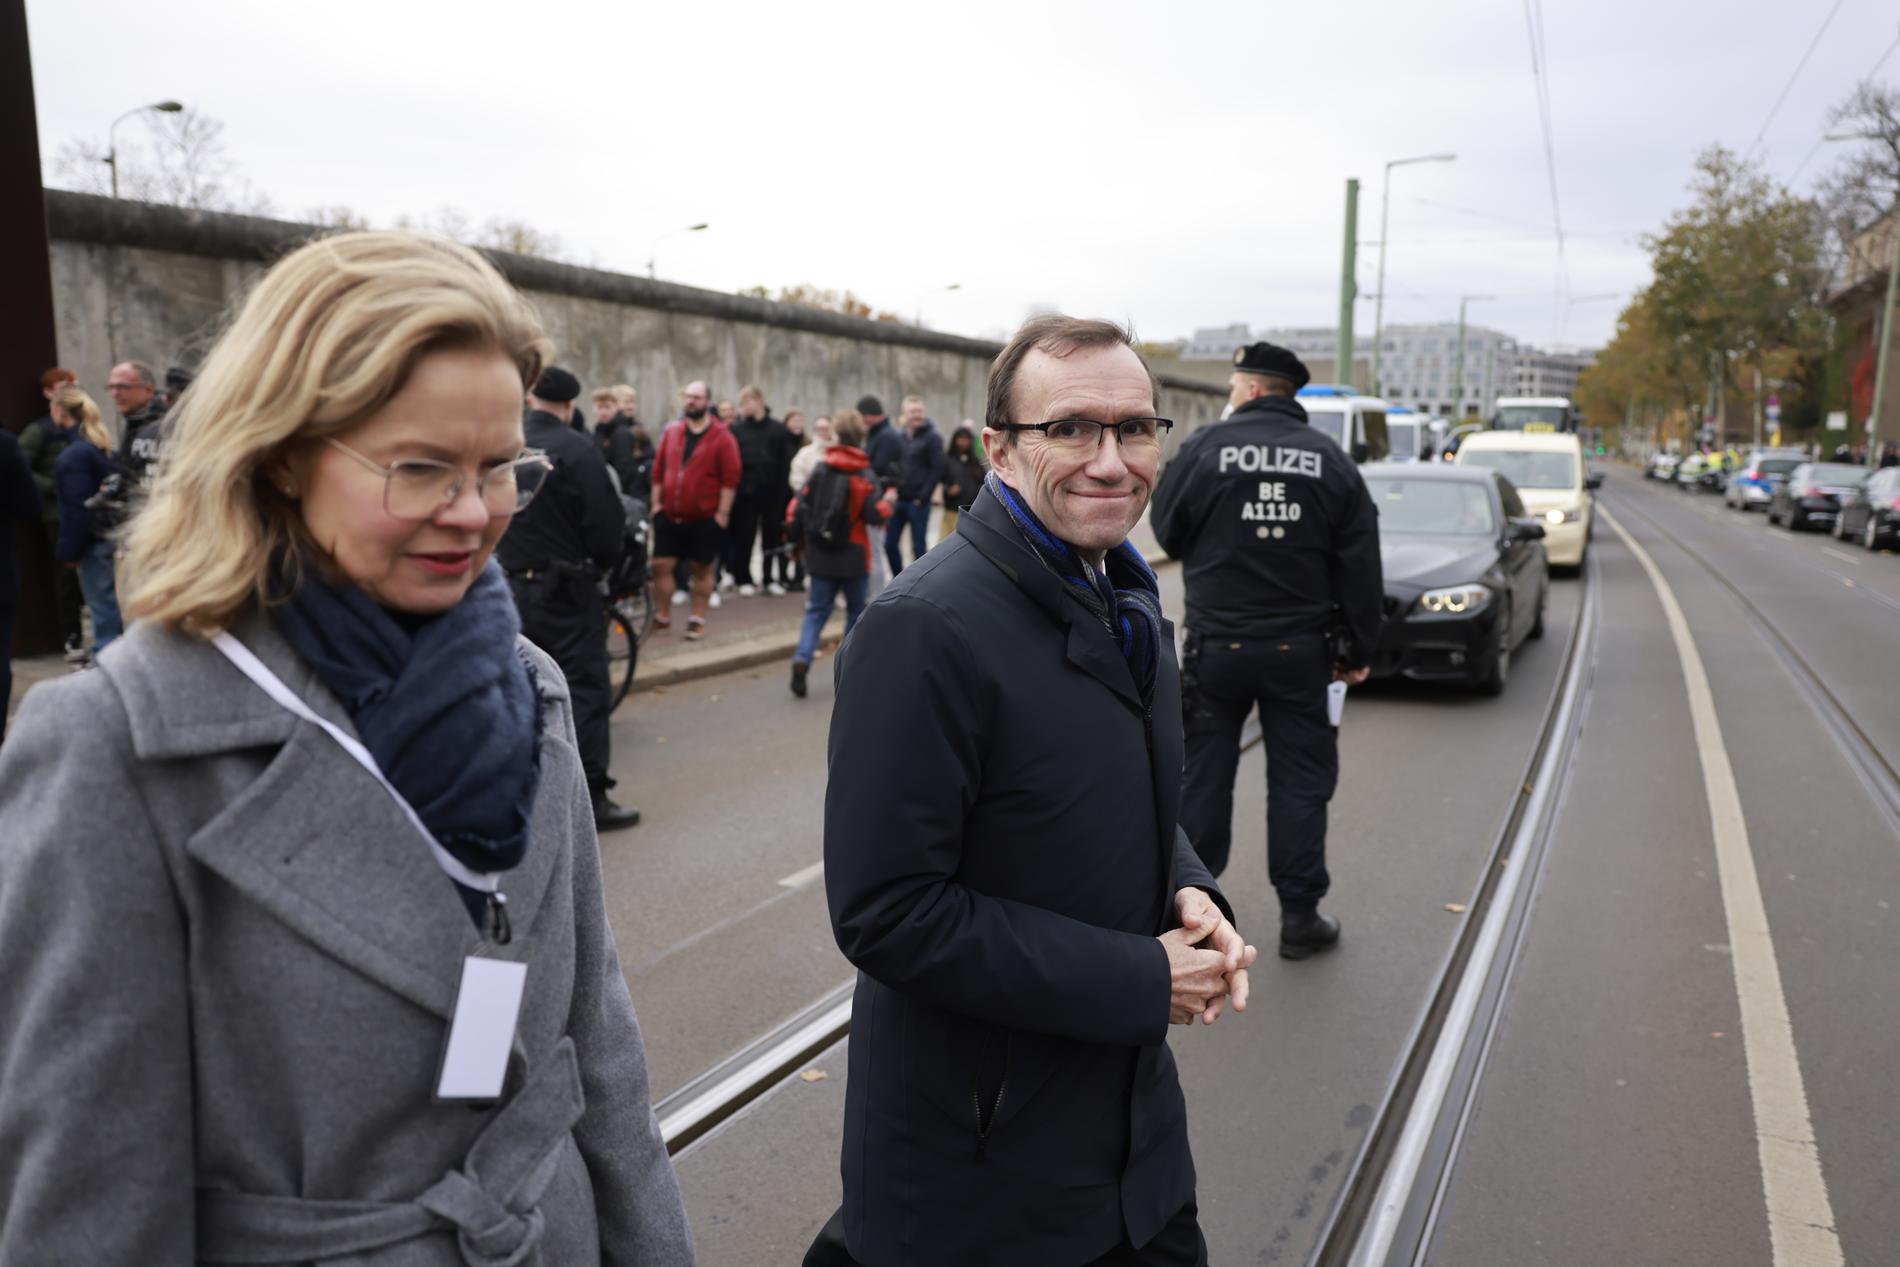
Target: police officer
1279,545
555,552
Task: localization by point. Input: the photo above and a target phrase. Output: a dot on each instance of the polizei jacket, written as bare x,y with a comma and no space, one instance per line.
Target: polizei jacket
231,963
1274,529
1001,853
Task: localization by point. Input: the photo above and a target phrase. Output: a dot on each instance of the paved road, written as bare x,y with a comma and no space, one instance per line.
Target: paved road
1615,1121
1277,1096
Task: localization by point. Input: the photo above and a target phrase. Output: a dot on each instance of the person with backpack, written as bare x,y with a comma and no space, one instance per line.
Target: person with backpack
92,487
831,516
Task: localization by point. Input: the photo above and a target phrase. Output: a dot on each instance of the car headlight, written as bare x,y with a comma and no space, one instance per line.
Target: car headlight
1453,600
1563,516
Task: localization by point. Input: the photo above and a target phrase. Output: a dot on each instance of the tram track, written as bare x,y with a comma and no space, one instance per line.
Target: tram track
1388,1203
1876,773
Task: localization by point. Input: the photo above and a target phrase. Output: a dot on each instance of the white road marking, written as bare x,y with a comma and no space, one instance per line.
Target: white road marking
803,876
1800,1216
1845,558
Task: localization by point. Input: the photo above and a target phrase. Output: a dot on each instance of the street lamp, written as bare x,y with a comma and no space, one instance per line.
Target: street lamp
1886,314
112,144
1458,391
691,228
1385,215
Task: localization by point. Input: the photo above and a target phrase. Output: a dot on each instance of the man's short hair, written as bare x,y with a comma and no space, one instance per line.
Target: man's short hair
847,427
1273,384
1059,336
55,377
909,399
146,373
603,396
624,393
752,392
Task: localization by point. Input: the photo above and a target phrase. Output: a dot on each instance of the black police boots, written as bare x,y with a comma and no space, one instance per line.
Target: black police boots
1306,933
609,816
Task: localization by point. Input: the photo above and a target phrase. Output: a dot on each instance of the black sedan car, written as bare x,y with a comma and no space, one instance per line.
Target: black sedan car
1465,574
1871,515
1813,493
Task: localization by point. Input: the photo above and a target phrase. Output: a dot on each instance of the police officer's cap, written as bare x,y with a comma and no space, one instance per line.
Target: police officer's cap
557,385
1274,361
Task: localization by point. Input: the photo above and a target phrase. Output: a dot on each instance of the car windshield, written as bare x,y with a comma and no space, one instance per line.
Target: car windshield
1403,437
1527,468
1836,473
1330,421
1517,417
1432,507
1777,466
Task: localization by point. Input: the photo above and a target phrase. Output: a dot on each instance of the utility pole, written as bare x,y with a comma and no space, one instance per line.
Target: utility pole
27,341
1458,384
1886,335
1348,287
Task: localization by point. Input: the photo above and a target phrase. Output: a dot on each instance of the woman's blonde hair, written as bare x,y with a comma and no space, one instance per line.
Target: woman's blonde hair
78,406
329,335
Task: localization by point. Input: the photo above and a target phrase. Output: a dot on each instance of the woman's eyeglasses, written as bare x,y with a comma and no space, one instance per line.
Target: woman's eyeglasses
418,488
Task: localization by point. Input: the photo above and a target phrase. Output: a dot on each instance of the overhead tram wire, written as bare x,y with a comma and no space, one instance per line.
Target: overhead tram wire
1789,86
1540,79
1822,140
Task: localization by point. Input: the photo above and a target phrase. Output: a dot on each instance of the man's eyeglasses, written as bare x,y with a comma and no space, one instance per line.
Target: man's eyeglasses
1084,434
418,488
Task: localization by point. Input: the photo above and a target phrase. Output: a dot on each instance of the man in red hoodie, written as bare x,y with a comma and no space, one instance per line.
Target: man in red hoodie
831,516
695,478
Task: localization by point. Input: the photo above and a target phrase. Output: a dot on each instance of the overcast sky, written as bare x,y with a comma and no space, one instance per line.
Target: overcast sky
1178,165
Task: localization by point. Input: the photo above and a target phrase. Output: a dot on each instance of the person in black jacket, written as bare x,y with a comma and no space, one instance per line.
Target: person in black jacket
555,553
963,472
758,512
920,468
1002,860
1279,545
133,386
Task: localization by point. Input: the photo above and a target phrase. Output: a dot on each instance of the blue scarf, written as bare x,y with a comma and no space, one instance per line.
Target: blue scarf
1126,598
446,705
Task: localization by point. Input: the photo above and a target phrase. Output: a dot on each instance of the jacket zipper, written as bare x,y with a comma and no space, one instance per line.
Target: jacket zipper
976,1102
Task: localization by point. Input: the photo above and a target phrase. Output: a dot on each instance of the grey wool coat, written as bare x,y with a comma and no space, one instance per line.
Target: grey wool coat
228,967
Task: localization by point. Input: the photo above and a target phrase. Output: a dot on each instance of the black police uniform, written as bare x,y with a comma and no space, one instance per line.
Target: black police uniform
554,552
1279,544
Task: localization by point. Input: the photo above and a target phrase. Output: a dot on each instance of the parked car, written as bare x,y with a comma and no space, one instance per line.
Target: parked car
1547,471
1466,576
1871,514
1689,471
1761,473
1814,491
1661,466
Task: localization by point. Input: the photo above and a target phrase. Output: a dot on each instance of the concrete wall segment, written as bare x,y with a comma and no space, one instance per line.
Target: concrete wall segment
156,283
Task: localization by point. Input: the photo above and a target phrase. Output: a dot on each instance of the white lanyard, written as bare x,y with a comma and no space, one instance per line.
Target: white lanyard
256,670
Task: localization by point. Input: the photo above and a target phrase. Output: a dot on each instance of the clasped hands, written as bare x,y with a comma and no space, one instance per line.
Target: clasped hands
1207,961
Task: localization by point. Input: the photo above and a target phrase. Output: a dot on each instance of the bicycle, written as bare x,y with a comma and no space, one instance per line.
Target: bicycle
629,610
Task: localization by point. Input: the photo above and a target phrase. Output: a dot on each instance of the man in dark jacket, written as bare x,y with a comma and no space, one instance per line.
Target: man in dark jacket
555,553
41,443
133,386
920,467
1279,544
1003,864
758,512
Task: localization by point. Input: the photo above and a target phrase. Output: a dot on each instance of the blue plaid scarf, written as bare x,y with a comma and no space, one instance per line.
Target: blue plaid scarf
1125,597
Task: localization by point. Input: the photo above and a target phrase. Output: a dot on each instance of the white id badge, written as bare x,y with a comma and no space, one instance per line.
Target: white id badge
482,1031
1335,703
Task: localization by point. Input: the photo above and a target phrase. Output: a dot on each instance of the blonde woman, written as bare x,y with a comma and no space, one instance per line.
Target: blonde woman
307,959
80,476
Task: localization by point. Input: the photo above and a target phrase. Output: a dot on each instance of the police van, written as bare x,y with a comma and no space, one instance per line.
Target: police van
1356,423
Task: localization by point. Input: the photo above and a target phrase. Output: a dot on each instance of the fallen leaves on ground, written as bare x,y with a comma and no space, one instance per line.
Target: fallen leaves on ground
814,1075
1456,908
